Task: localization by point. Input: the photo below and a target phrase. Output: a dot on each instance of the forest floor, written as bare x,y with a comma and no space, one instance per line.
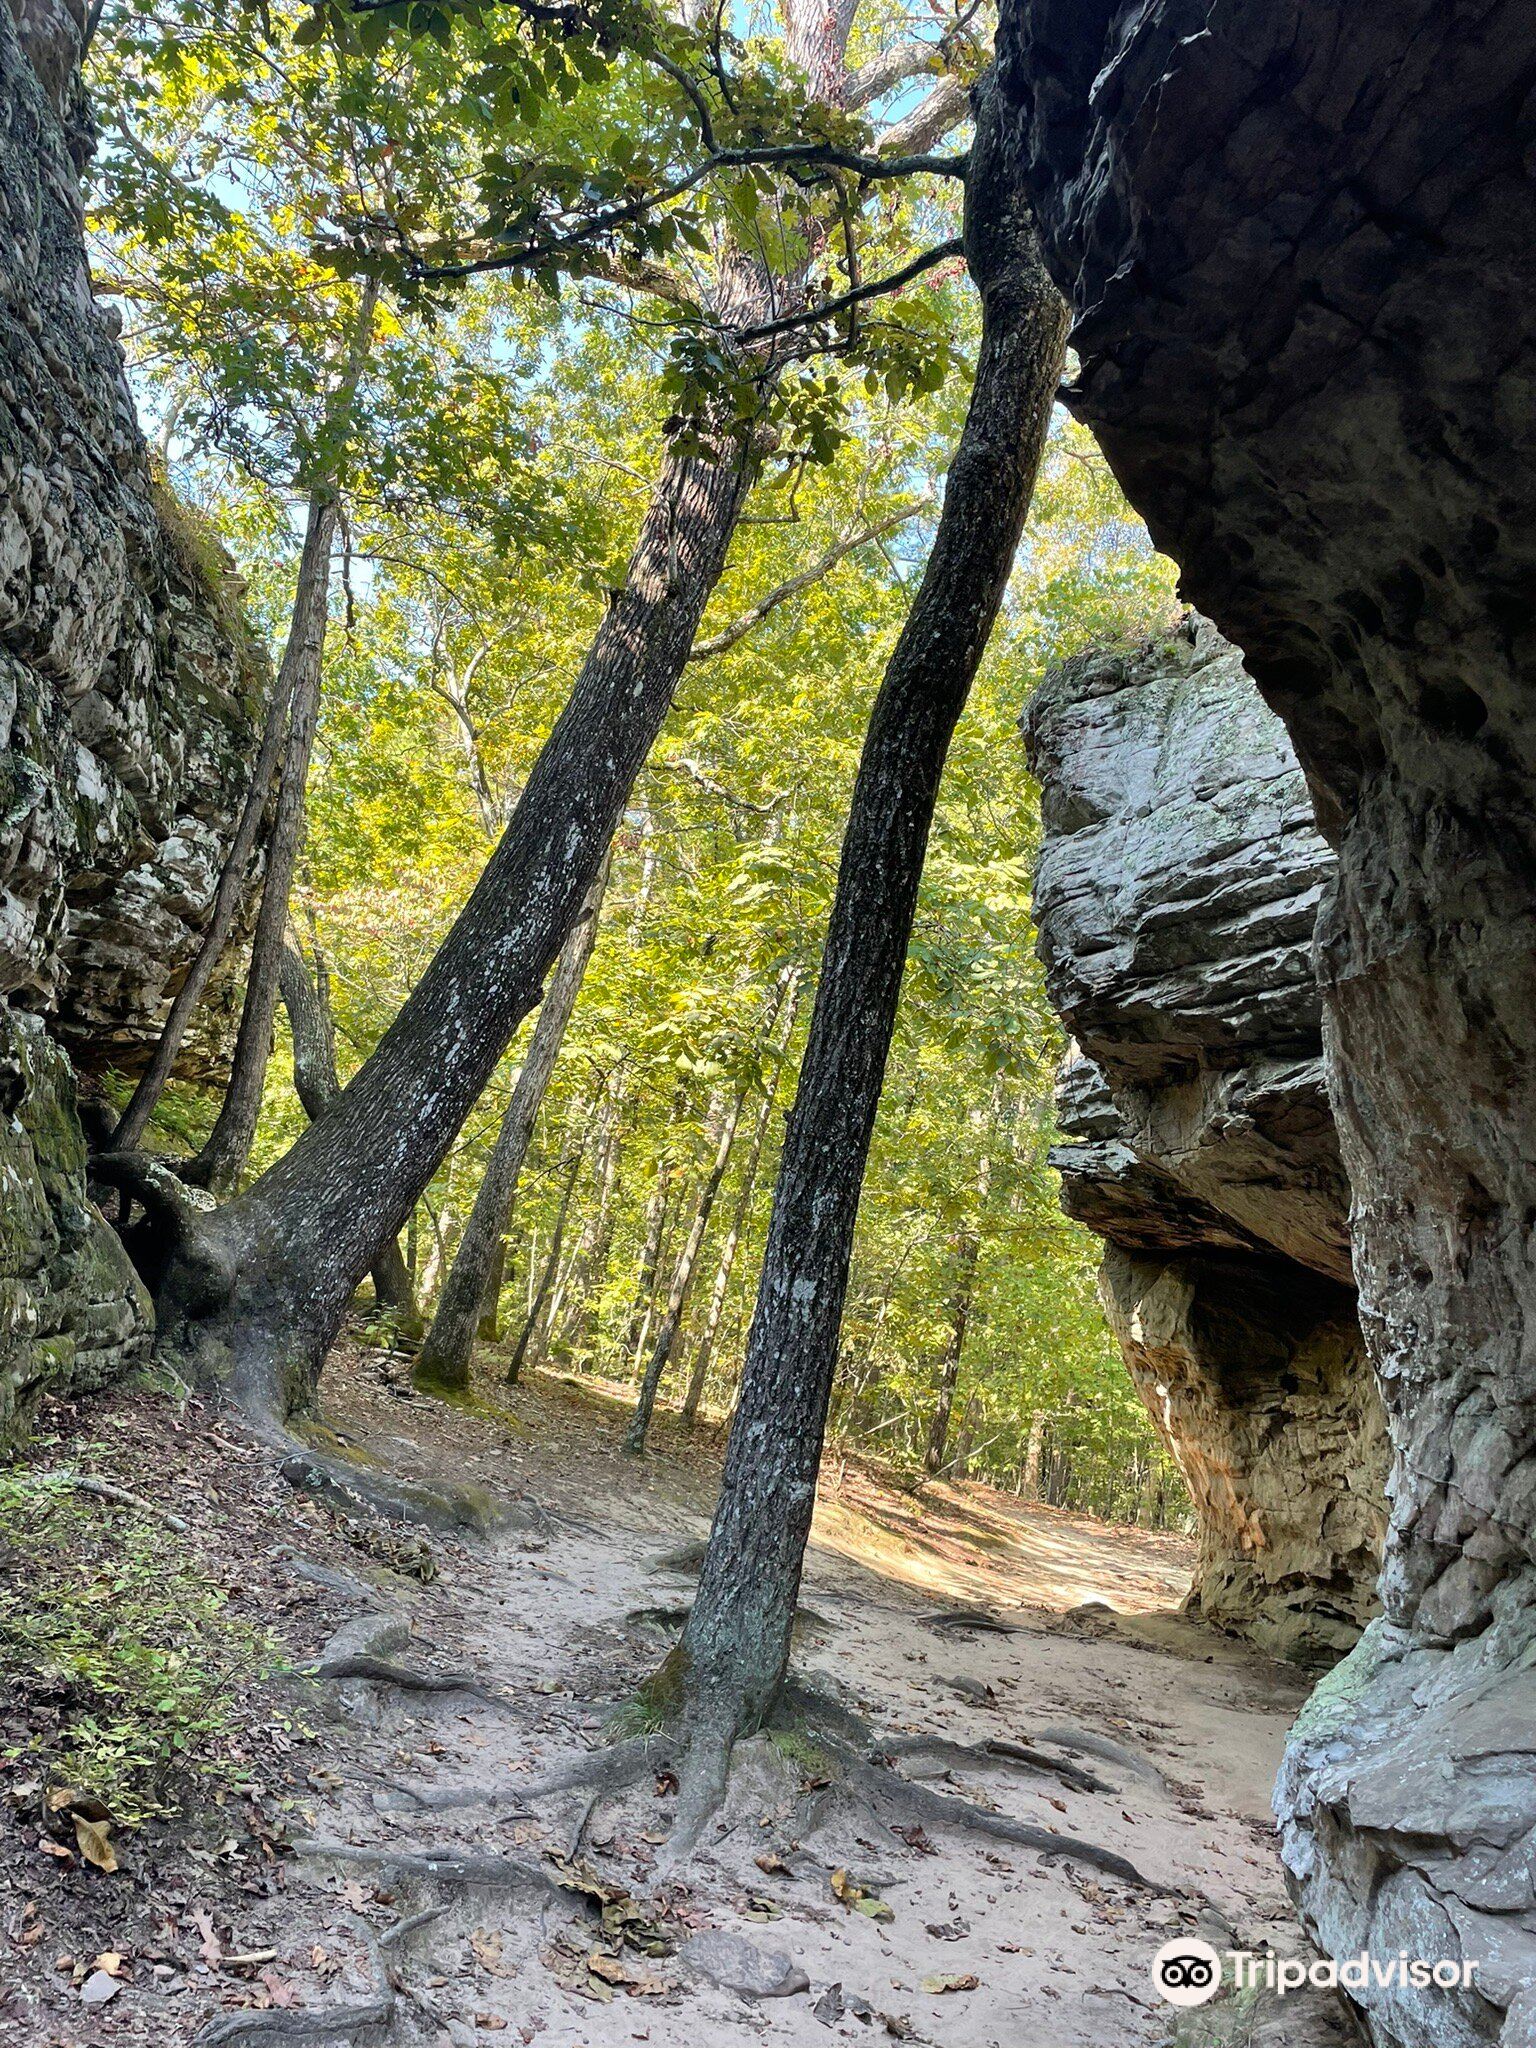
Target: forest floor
543,1919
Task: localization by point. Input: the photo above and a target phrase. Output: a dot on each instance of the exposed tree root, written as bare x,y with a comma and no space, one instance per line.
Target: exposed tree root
446,1866
380,1671
995,1755
1103,1747
888,1794
972,1618
323,2022
344,1484
600,1771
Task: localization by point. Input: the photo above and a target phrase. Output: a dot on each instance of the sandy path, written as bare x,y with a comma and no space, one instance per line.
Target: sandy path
1058,1953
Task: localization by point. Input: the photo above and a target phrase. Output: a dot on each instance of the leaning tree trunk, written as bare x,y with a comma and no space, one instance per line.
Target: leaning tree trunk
228,1147
315,1083
442,1364
730,1663
251,1296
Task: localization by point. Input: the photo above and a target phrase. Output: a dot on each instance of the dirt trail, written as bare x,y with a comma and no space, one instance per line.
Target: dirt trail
1046,1954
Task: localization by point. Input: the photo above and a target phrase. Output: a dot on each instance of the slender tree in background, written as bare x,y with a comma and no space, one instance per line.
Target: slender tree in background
546,1281
732,1110
306,998
704,1350
961,1299
727,1669
442,1364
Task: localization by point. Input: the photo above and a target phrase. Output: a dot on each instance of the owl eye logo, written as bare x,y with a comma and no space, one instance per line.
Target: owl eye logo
1187,1972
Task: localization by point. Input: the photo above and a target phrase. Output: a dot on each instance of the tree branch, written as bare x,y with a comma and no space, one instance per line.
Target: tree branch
739,628
876,288
931,120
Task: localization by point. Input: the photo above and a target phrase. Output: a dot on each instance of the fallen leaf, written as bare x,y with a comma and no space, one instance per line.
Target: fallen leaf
110,1961
94,1838
278,1989
950,1980
490,2022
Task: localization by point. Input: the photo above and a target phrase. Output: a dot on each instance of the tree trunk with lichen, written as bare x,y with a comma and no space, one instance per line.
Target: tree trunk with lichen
729,1665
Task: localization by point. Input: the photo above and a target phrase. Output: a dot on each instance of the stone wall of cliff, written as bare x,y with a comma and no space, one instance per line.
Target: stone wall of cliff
1300,245
1177,887
129,688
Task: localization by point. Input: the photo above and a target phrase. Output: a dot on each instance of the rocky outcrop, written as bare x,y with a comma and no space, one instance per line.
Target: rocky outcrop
73,1310
128,688
1300,244
1178,883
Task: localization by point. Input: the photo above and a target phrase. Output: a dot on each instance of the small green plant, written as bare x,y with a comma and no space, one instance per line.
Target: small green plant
117,1650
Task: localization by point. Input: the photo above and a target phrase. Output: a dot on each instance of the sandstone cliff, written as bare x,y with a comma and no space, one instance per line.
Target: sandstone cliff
1178,884
1300,246
128,689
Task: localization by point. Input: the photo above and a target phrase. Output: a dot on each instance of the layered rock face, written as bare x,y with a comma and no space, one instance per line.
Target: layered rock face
127,704
1178,884
1300,242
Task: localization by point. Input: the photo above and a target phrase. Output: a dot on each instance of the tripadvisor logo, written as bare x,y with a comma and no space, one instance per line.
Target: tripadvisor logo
1189,1972
1186,1971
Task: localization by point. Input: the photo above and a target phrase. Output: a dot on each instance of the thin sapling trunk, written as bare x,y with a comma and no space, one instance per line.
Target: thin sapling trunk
442,1364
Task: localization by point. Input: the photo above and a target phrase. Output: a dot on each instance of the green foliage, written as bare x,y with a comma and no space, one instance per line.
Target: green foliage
120,1649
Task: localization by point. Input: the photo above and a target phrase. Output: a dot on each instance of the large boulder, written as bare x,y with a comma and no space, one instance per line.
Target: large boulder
1179,878
129,690
1300,244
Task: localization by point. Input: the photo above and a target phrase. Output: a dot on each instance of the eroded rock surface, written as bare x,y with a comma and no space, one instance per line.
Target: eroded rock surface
128,688
1177,888
1300,244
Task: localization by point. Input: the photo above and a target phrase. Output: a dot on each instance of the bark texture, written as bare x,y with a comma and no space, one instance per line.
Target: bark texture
1177,887
733,1652
250,1298
1301,246
444,1359
222,1161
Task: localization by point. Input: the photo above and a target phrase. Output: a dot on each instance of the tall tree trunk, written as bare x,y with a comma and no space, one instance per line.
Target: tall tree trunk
224,1155
307,1001
1034,1448
546,1278
442,1364
251,1296
731,1660
705,1349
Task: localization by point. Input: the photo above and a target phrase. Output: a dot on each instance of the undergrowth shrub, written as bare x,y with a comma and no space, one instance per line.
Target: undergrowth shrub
120,1665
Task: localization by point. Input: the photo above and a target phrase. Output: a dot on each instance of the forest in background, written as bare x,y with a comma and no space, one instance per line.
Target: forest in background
499,450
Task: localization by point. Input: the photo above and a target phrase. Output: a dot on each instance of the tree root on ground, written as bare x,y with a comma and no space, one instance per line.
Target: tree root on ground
600,1771
1105,1748
444,1866
888,1793
350,1487
379,1671
979,1618
998,1755
322,2022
